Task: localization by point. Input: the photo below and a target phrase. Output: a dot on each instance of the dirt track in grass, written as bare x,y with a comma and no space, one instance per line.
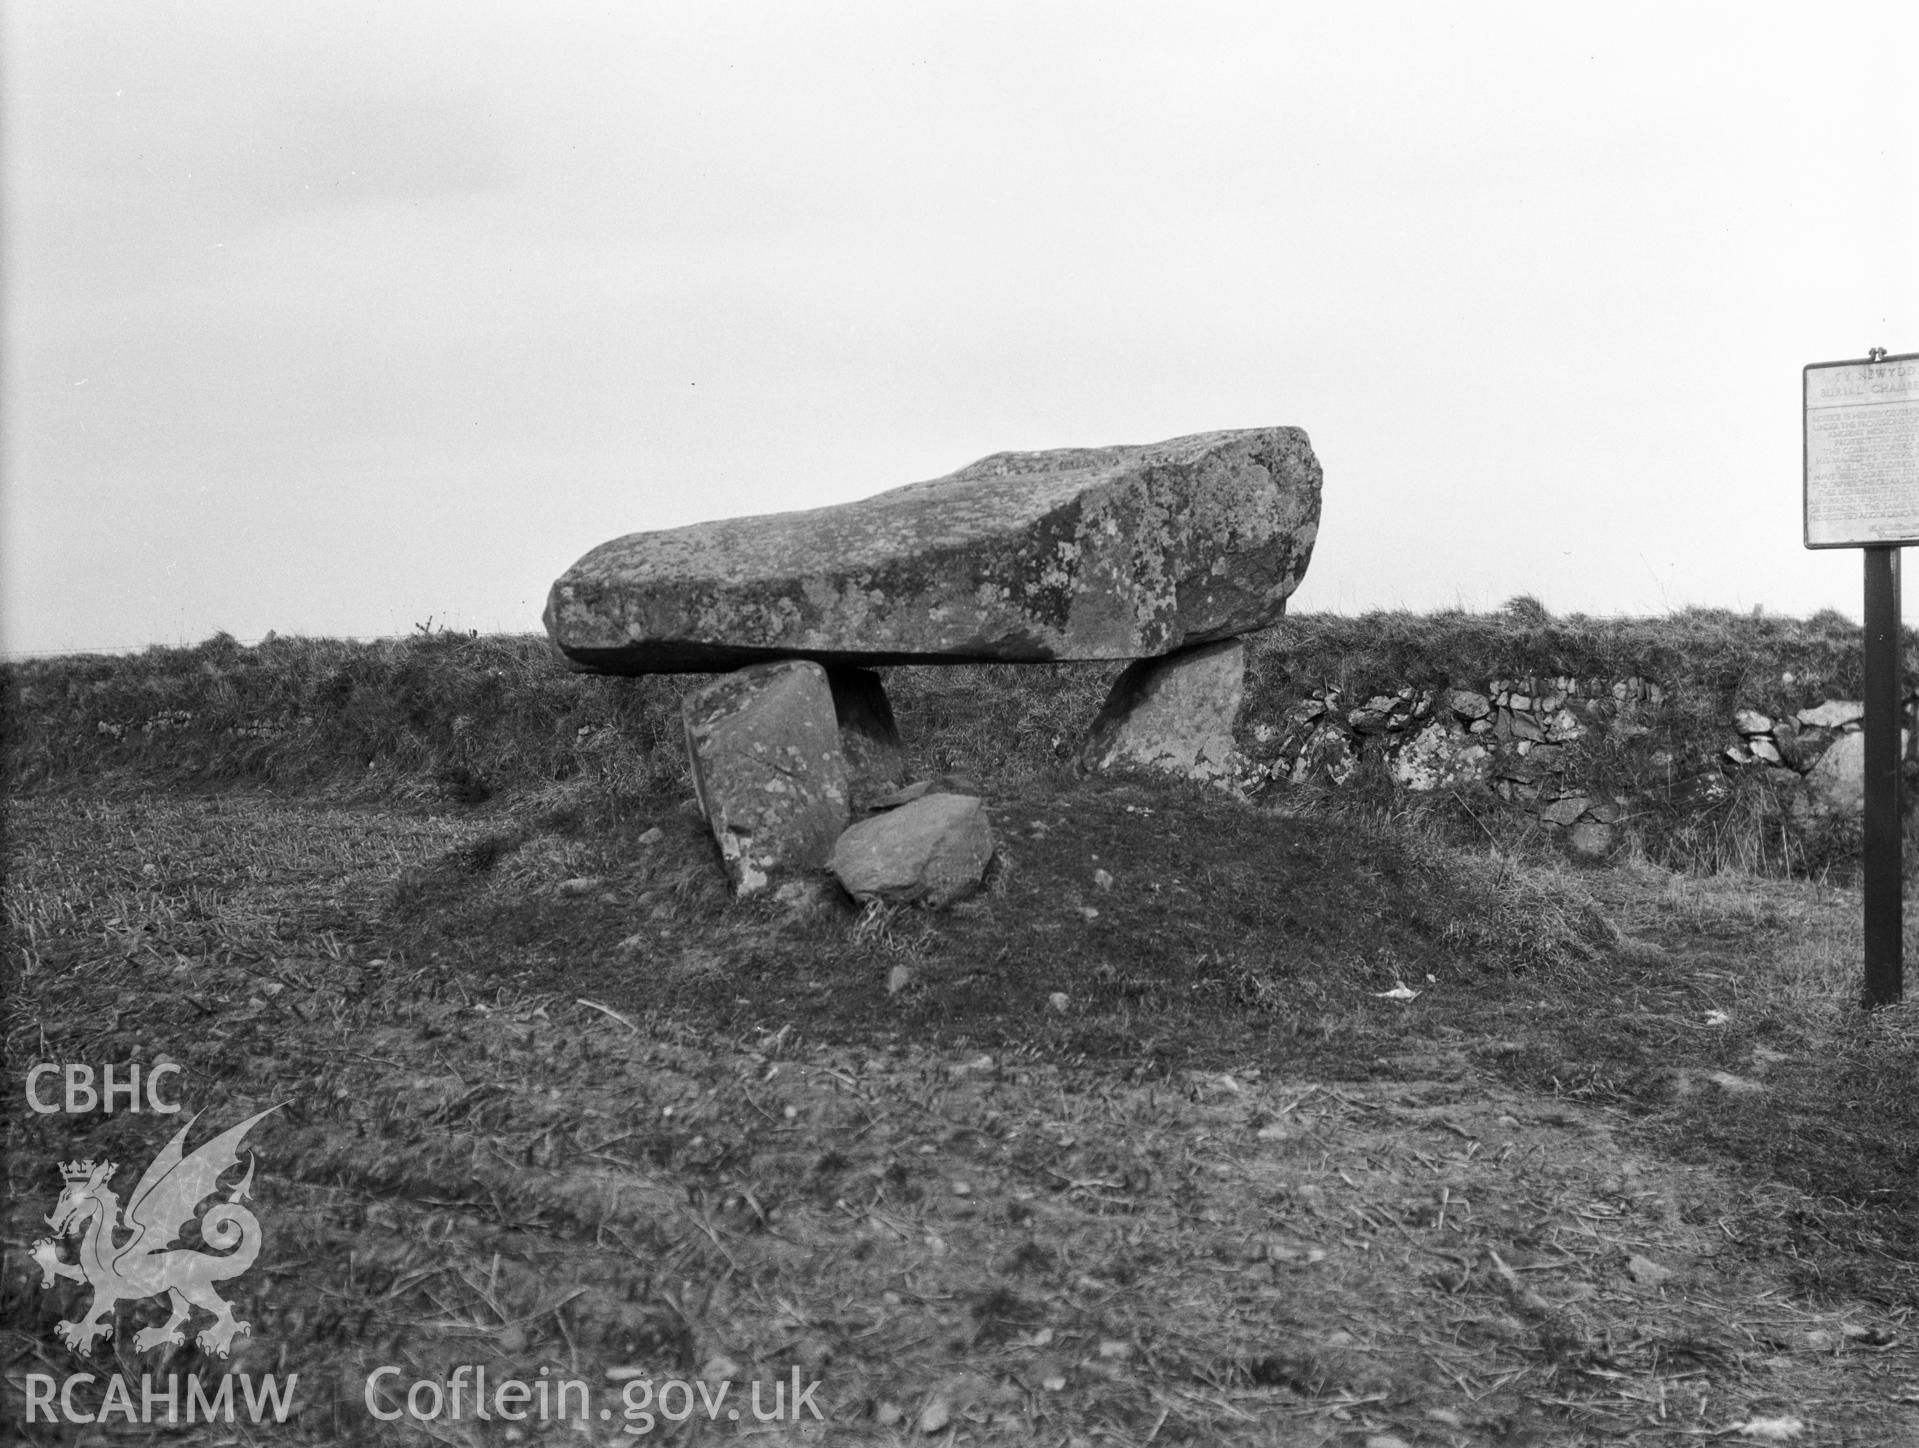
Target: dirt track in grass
1228,1191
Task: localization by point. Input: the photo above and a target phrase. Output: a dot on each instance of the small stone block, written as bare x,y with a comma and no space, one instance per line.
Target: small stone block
931,851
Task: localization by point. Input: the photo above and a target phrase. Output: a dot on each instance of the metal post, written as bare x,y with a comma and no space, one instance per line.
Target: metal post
1884,934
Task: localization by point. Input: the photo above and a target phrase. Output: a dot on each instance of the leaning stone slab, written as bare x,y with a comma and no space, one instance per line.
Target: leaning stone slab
932,851
768,769
1174,713
1086,553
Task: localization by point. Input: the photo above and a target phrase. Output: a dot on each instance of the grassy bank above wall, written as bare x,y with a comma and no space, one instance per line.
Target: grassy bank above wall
465,714
1715,658
464,718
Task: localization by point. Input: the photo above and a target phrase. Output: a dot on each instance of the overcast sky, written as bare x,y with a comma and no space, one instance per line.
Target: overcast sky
333,318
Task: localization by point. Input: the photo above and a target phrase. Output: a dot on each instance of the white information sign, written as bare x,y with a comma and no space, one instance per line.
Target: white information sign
1862,453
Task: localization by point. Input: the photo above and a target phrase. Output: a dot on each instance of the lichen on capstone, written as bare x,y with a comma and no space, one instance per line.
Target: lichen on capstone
1099,553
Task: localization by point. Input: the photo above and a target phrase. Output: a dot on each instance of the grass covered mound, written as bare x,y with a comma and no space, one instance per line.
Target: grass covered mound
1133,919
1151,928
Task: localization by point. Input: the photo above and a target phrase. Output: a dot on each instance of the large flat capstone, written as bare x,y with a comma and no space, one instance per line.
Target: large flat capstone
1084,553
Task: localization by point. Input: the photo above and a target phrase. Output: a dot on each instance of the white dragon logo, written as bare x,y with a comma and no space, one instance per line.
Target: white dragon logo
143,1265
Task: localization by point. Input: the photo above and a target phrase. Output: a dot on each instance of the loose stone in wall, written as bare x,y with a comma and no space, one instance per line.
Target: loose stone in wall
1832,714
1440,756
1838,781
1325,757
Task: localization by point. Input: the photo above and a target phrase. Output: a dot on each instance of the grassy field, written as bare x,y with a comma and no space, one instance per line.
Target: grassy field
1335,1118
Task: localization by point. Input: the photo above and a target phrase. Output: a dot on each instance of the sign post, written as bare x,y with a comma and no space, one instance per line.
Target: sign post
1862,491
1883,804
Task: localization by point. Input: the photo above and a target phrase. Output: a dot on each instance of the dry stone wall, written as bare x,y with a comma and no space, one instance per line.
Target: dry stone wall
1535,742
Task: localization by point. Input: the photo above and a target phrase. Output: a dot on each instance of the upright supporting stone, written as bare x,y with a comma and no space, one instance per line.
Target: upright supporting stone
1174,713
768,769
875,758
